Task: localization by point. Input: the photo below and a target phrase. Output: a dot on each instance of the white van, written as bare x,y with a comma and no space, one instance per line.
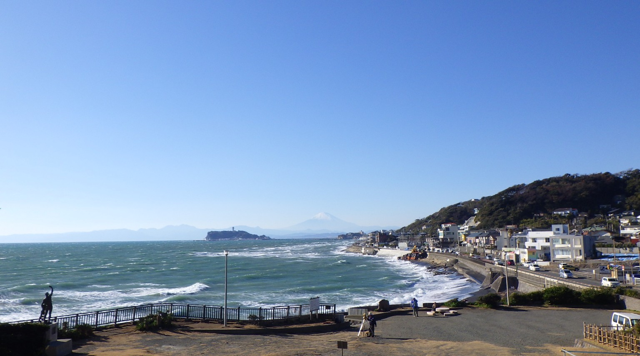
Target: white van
622,321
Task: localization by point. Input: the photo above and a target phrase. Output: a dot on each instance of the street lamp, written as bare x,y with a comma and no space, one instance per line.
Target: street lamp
226,254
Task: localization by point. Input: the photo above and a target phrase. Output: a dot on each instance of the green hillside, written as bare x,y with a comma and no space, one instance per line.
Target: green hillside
532,205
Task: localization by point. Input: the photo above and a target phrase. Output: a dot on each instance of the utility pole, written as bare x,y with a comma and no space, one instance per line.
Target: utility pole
506,272
226,254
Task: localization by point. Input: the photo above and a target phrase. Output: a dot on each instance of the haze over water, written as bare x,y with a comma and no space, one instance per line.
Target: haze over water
100,275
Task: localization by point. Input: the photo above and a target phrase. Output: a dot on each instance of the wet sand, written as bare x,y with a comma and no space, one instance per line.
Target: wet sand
517,331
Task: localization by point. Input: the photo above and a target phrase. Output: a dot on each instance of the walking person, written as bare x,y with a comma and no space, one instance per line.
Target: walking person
47,307
414,306
372,325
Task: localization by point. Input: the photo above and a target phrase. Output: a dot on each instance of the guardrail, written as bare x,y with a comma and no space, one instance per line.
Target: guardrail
125,315
541,280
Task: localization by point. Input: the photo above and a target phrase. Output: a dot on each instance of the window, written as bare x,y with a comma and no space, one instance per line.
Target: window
546,240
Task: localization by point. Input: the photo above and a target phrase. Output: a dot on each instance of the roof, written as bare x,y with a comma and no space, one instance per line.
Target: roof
628,315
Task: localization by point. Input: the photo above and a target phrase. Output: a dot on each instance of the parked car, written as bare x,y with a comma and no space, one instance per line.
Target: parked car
510,263
567,266
565,273
498,262
534,267
609,282
622,321
526,263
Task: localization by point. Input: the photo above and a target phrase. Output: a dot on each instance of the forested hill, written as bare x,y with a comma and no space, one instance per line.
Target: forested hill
532,205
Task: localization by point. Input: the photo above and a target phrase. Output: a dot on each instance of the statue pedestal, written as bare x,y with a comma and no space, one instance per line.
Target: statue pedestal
62,347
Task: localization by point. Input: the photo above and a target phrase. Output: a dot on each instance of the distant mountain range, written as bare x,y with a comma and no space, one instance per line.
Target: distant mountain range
322,225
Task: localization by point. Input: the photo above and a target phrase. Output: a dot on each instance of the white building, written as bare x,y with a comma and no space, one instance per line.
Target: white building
448,233
559,245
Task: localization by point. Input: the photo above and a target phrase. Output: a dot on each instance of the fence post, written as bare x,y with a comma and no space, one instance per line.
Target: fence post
187,311
221,312
171,308
115,319
288,307
300,312
273,313
204,312
77,317
259,315
97,319
134,314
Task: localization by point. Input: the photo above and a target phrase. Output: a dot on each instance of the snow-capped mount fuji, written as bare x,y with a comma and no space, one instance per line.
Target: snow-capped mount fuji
325,222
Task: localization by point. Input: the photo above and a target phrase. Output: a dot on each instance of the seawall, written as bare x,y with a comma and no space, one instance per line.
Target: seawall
470,269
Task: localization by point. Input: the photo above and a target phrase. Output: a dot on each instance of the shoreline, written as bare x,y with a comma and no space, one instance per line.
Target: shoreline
434,266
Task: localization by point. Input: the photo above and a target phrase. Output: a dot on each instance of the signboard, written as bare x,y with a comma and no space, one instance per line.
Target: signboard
314,304
342,345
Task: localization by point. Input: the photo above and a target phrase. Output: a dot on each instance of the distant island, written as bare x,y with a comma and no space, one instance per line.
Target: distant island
233,235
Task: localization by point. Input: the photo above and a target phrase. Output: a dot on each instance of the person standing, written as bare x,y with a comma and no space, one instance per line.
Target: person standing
372,325
47,306
414,306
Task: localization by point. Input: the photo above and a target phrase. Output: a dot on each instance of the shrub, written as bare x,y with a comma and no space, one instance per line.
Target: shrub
491,300
254,319
154,322
455,303
626,291
537,297
519,299
82,331
561,295
602,296
22,339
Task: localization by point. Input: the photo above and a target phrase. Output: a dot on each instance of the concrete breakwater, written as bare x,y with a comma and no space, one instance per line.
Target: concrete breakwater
489,276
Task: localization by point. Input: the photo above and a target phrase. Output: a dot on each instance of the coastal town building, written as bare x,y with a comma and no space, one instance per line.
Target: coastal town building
510,239
448,234
566,212
628,220
558,244
488,238
631,233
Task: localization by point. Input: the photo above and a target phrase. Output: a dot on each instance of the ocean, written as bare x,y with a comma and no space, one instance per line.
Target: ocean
93,276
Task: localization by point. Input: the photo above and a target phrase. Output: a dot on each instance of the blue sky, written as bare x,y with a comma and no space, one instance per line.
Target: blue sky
120,114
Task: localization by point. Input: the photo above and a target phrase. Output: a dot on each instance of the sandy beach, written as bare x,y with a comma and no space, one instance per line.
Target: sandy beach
515,331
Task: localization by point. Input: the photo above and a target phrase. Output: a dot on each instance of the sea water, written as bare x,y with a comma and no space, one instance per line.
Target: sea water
94,276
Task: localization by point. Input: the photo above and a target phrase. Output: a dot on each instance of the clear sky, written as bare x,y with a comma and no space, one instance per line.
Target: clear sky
139,114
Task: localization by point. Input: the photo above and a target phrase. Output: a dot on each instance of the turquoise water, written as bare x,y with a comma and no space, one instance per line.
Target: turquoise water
101,275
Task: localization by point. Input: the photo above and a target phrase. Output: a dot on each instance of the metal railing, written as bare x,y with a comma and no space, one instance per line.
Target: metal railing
113,317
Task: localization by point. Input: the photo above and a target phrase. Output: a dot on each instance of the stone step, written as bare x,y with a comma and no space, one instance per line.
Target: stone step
61,347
